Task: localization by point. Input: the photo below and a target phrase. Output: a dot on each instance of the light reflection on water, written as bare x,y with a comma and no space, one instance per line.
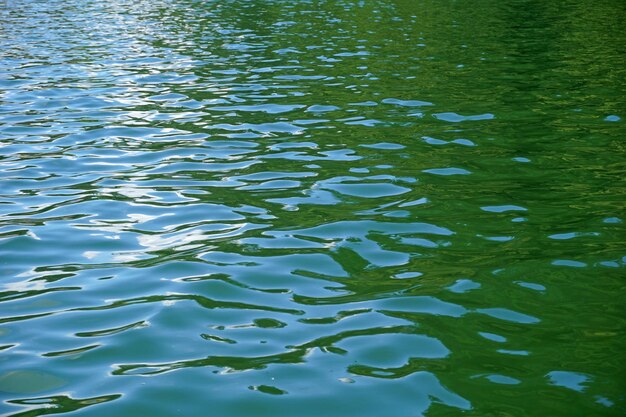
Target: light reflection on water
305,208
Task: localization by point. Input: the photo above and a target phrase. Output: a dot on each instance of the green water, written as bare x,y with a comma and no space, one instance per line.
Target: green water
312,208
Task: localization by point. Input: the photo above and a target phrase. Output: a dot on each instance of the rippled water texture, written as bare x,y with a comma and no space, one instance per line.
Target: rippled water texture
312,208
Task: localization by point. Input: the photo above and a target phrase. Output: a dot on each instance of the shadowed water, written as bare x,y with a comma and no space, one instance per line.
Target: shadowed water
306,208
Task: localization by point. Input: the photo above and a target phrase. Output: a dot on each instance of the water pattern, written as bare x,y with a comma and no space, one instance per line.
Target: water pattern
312,208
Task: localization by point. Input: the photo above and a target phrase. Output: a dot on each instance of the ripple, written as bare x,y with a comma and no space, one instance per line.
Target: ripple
369,190
502,379
311,206
509,315
384,145
268,389
447,171
373,352
406,103
464,285
503,208
572,380
455,117
29,382
570,263
571,235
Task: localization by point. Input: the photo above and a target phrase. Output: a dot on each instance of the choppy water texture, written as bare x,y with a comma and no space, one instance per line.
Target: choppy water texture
312,208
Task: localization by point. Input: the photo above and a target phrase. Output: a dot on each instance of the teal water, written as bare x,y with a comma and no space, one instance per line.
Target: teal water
304,208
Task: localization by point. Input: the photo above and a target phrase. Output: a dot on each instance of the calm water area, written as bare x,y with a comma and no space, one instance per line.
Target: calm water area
375,208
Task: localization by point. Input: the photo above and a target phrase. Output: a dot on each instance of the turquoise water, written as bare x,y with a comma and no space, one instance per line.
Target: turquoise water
305,208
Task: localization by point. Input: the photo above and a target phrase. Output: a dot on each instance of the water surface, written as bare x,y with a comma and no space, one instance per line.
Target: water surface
341,208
